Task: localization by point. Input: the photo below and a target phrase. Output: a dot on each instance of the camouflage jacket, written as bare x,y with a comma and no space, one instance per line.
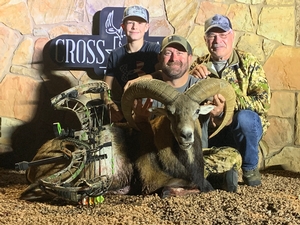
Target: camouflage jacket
247,77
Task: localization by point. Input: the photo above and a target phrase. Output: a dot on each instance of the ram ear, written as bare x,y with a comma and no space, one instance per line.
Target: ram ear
205,109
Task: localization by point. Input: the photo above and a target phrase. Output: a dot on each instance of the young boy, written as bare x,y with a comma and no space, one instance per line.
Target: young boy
137,57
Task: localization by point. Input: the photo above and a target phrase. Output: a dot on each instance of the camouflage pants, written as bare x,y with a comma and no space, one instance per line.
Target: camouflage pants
220,160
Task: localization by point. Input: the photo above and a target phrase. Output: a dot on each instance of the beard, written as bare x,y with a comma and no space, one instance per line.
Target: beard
174,70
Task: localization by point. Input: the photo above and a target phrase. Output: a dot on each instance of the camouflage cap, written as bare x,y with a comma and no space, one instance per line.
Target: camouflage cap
137,11
219,21
171,39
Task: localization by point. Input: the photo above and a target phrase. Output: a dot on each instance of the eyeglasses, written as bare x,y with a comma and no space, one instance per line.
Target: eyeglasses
212,36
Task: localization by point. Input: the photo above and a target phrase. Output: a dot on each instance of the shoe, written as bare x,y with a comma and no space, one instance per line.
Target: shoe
252,177
230,180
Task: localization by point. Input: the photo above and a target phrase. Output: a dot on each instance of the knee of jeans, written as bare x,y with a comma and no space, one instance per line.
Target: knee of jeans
248,118
249,123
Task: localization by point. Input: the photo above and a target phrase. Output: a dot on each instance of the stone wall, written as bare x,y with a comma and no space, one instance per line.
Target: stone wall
267,28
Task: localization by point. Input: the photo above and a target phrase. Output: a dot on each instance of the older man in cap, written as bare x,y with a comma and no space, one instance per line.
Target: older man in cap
247,76
136,58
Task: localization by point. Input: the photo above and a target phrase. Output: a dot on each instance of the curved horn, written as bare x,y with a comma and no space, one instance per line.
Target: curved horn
210,87
146,88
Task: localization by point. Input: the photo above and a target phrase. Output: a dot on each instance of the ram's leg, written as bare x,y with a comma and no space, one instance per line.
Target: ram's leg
173,191
154,179
172,187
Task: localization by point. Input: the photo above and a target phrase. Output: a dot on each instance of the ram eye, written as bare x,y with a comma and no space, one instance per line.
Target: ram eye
197,111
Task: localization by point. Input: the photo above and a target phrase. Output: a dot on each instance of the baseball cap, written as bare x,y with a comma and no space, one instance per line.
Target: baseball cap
219,21
176,39
137,11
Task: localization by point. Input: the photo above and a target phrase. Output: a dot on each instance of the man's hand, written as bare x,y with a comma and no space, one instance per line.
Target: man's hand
219,102
200,71
141,112
217,112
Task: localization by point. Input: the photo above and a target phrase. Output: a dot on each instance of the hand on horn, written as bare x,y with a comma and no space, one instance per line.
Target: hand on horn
200,71
140,110
218,110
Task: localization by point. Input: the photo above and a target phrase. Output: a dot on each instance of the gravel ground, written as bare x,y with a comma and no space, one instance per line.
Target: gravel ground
277,201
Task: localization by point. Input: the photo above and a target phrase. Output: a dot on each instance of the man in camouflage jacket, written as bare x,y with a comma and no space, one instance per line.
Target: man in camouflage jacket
244,72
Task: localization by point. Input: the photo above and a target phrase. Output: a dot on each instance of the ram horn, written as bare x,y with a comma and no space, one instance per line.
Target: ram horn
146,88
210,87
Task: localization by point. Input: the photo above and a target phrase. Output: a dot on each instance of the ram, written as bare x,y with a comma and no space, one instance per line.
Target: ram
142,157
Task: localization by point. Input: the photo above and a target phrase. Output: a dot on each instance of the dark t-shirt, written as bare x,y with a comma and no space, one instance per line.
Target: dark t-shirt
124,66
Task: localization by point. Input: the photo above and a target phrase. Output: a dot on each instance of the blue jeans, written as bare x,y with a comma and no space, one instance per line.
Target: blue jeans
244,134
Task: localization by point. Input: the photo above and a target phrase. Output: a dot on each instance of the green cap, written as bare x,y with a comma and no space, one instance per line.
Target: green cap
137,11
171,39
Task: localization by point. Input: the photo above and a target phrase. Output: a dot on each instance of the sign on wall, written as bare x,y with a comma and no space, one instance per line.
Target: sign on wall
91,51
